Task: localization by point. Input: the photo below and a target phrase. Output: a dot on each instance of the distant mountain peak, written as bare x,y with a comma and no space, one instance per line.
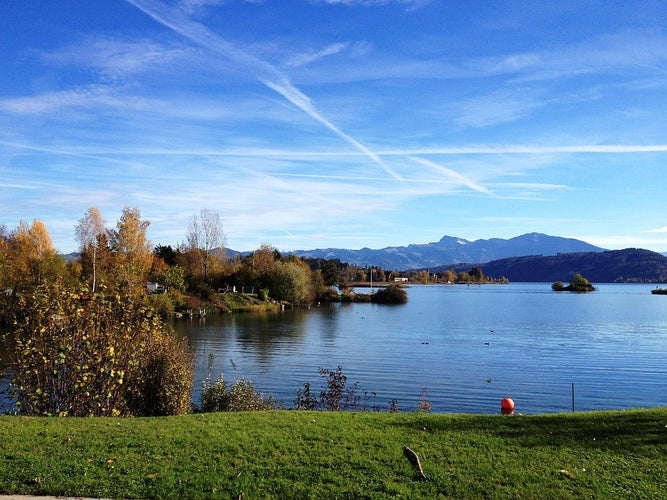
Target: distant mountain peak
453,250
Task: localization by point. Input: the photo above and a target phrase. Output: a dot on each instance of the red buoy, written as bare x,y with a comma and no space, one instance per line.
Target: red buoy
507,406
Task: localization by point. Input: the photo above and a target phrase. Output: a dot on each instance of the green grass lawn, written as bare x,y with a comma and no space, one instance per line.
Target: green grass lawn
291,454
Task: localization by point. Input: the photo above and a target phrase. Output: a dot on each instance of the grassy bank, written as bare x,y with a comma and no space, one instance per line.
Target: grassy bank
241,302
289,454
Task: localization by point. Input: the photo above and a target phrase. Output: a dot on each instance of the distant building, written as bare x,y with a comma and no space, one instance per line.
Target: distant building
152,287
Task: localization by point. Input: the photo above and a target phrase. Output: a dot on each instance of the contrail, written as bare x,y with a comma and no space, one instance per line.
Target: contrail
263,71
454,175
497,149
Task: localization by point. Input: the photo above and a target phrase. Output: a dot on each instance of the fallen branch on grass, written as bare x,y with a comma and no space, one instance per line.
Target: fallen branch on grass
414,460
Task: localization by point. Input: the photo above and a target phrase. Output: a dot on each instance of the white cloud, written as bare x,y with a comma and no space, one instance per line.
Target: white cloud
410,4
196,6
115,59
498,107
615,53
310,57
92,96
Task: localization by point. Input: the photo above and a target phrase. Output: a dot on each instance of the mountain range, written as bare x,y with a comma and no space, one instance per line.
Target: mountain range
451,250
529,257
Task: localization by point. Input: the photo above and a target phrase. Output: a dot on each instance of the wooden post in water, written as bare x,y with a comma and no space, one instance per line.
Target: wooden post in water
572,397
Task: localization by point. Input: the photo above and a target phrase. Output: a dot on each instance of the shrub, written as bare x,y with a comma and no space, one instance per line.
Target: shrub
580,284
332,397
577,284
83,354
200,289
328,294
304,399
193,302
336,396
214,395
163,378
393,294
424,403
241,396
244,397
162,303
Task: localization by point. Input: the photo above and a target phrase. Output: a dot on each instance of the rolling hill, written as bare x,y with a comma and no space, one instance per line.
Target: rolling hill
631,265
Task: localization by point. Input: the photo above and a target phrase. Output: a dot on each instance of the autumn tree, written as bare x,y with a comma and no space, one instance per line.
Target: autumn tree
105,258
205,239
22,254
360,274
449,276
463,277
423,277
4,257
350,273
173,279
165,271
289,278
318,285
379,274
132,250
259,269
88,232
292,282
477,274
263,260
33,258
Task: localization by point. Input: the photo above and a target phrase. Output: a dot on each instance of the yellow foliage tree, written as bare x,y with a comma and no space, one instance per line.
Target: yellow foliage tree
4,258
132,250
32,255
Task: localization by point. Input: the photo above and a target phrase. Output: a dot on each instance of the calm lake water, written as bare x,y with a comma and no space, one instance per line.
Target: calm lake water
467,346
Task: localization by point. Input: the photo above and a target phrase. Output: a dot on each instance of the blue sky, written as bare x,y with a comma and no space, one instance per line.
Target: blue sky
338,123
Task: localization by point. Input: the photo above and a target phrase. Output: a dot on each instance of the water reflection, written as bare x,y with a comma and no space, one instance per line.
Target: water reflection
261,334
468,346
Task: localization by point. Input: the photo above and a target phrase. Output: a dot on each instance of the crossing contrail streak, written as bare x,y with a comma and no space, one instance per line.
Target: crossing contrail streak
454,175
266,73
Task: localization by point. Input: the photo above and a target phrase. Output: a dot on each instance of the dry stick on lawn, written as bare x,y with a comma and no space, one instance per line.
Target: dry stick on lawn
414,460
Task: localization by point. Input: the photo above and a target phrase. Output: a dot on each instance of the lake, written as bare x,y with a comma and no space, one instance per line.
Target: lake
465,347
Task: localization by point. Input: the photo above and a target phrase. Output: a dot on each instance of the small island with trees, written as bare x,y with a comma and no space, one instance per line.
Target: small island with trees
577,284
